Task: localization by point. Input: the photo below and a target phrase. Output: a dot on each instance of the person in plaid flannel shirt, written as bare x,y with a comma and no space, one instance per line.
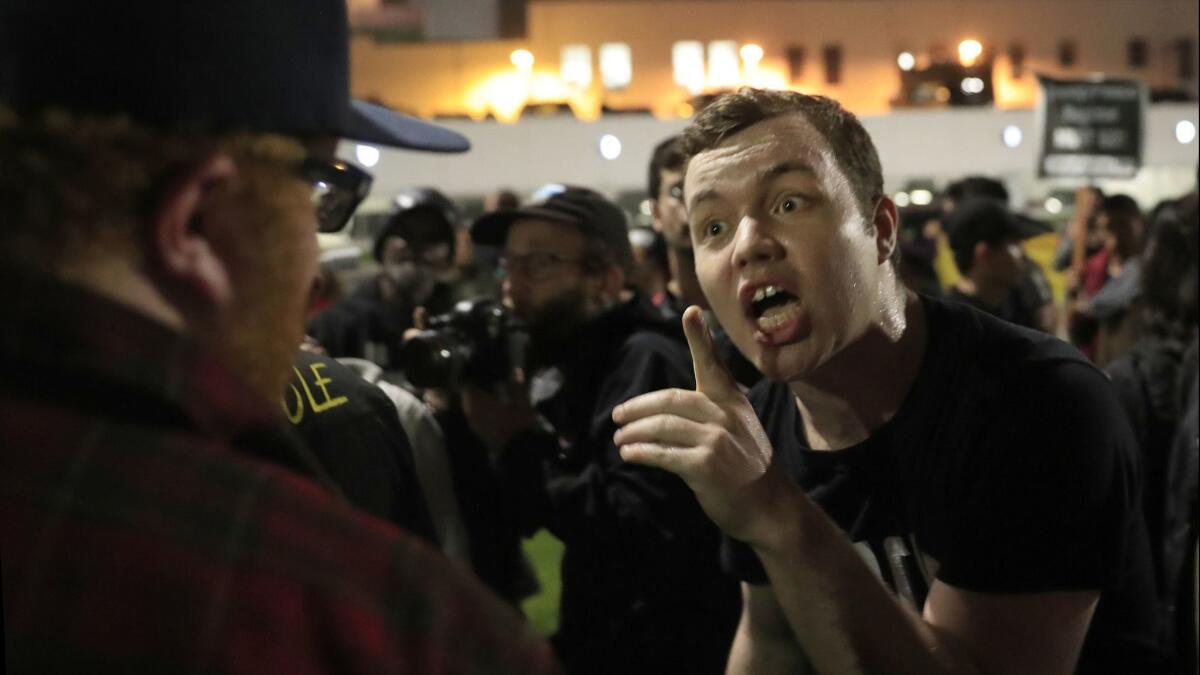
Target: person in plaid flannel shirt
163,171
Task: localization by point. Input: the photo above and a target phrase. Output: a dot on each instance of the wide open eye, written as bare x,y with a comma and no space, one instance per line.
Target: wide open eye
790,204
714,228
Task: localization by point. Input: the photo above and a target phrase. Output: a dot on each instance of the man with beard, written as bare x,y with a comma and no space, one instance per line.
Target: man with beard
642,589
160,196
917,486
415,251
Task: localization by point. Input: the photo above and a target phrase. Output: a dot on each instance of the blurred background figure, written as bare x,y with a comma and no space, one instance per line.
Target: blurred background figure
665,187
920,227
986,237
651,270
1032,301
415,251
1081,228
1120,226
1154,380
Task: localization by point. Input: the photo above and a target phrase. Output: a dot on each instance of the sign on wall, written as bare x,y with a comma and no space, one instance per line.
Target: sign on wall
1090,128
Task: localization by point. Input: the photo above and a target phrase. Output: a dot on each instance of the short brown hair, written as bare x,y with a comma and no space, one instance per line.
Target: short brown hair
741,109
75,184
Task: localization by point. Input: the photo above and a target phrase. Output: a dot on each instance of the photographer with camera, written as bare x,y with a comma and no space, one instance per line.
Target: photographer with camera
642,589
415,251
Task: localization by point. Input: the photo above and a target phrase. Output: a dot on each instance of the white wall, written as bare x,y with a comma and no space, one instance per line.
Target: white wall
939,145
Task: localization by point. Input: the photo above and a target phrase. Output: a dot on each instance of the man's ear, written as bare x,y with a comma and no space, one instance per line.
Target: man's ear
180,249
887,226
982,249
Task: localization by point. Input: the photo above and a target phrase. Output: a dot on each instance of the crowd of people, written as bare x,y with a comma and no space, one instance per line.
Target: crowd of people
769,436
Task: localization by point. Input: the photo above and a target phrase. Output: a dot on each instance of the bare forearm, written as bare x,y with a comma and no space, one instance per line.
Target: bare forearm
844,618
764,650
1078,246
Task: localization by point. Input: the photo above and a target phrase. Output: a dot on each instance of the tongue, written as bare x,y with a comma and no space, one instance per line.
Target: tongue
780,324
783,307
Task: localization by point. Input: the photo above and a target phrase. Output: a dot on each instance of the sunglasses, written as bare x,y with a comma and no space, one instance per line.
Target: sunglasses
338,188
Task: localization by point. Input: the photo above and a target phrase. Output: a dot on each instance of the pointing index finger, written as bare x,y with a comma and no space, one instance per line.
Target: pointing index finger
712,378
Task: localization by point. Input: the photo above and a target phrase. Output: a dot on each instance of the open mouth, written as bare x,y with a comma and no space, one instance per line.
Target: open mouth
773,307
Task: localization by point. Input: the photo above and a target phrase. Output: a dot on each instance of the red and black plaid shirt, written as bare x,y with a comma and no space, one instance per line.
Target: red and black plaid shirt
146,524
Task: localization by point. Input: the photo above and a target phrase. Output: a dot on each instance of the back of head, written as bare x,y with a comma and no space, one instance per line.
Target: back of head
976,187
1124,223
851,144
976,220
500,200
1169,282
104,108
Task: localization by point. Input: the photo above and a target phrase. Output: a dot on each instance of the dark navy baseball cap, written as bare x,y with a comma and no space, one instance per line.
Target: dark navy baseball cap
219,65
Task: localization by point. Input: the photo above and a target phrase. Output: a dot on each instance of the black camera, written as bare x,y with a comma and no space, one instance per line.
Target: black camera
478,342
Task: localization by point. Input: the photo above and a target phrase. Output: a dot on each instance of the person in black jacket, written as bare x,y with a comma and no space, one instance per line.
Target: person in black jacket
415,250
642,589
353,429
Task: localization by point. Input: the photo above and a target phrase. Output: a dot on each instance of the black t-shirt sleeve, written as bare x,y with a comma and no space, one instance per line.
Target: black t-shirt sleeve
1046,495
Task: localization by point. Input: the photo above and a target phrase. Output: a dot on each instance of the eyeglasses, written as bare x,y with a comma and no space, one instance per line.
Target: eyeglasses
676,192
338,188
535,266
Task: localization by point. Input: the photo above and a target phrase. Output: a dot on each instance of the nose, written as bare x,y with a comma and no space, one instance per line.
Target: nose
753,243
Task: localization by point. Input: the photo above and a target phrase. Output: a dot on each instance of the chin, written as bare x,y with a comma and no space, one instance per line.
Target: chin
795,361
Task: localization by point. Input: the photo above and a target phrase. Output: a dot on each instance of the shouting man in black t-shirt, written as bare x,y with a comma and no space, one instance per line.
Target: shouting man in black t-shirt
917,487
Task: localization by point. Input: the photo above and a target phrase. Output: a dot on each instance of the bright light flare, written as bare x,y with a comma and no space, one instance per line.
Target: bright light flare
969,51
368,155
972,85
751,54
687,60
1012,136
610,146
906,61
522,59
1185,132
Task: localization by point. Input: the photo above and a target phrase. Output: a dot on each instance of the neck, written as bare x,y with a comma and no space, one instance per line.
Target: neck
864,385
118,280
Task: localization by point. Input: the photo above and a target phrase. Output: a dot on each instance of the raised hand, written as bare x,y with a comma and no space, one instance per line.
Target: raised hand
710,437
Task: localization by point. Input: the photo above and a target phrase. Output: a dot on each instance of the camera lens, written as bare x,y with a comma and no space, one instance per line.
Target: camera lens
433,359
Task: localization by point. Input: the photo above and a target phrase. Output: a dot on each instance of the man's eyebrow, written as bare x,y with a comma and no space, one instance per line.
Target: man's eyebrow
784,167
704,195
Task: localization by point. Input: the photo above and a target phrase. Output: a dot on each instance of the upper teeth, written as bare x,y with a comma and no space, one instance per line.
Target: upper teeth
766,292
